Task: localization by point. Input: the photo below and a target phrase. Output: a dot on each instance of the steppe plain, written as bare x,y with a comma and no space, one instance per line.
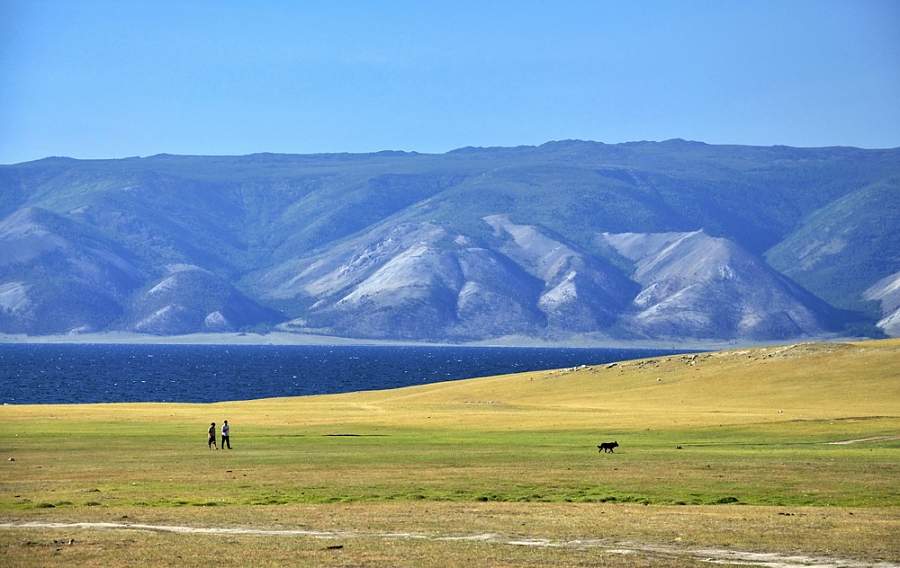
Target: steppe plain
770,456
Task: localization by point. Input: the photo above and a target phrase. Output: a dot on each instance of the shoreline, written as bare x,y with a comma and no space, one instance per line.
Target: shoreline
287,338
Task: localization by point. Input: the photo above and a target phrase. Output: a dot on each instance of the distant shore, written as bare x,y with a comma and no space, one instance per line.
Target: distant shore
284,338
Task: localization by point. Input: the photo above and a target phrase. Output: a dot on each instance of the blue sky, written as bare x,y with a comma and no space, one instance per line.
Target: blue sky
95,79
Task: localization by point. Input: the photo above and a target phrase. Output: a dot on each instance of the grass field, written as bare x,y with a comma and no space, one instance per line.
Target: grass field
789,450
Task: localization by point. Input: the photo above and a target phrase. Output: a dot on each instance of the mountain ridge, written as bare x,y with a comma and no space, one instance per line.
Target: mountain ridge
462,246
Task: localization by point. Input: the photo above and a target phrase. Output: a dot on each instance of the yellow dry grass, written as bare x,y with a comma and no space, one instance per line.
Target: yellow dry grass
799,382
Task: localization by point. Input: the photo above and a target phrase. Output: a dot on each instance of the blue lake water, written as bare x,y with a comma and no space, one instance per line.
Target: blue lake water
79,373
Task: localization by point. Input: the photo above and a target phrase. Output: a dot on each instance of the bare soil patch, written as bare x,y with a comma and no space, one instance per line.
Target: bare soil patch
860,440
662,551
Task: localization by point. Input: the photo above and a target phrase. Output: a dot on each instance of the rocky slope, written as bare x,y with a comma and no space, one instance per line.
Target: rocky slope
887,292
695,285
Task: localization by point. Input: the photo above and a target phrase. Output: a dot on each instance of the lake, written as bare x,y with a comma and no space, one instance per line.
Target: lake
93,373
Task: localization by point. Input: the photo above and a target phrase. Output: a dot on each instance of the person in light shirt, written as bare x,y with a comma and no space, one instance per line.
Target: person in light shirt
225,438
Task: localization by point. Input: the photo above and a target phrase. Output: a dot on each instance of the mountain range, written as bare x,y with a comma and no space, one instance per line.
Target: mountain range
669,241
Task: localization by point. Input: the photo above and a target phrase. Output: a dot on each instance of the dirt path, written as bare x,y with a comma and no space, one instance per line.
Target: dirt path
715,556
875,439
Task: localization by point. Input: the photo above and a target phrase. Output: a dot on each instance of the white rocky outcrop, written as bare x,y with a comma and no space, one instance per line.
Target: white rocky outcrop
887,291
14,296
701,286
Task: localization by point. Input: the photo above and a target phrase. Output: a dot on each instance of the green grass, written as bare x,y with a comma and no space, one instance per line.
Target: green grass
126,465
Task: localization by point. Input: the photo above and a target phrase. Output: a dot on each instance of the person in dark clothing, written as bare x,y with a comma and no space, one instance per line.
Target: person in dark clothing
211,441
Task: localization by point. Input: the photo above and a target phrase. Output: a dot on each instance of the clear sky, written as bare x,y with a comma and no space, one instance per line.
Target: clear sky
107,79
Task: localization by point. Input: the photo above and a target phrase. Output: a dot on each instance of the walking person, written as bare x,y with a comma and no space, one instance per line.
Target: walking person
225,438
211,441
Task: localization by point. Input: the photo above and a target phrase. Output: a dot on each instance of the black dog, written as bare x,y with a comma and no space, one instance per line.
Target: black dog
608,446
